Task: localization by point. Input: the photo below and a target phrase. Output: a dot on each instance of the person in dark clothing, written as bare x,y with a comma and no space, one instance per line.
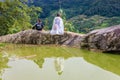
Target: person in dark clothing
39,25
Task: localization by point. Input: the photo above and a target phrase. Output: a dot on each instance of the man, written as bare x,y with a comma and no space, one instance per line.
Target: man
39,25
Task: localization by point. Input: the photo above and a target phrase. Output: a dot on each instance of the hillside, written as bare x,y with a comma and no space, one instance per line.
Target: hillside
73,8
81,16
86,24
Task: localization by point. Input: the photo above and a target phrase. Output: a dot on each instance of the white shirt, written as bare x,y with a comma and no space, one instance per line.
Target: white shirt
58,26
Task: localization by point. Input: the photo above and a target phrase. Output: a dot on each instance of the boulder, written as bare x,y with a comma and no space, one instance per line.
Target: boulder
42,37
105,40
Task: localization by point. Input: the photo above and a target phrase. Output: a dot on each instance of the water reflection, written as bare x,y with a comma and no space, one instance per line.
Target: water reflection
3,63
74,69
59,65
110,62
39,62
21,69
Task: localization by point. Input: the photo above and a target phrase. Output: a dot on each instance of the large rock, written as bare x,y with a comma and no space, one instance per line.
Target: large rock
43,37
105,40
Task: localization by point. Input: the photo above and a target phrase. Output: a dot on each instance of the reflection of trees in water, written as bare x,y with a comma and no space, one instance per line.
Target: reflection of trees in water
3,63
59,65
109,62
40,62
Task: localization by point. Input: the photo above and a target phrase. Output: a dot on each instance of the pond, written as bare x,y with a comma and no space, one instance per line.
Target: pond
52,62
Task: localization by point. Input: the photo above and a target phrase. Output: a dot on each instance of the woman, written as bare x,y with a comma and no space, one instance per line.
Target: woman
59,65
58,26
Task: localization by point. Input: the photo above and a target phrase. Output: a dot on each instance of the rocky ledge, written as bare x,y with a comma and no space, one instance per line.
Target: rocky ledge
43,37
105,40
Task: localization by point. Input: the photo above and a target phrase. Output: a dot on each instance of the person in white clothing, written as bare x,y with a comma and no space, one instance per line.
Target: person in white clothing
58,26
59,65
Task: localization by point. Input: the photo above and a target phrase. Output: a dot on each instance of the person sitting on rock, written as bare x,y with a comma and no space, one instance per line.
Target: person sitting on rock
39,25
58,26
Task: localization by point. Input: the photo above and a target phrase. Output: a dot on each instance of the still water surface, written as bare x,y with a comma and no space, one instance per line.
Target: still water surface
30,62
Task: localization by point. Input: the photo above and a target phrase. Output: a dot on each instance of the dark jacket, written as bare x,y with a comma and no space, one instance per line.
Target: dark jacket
38,26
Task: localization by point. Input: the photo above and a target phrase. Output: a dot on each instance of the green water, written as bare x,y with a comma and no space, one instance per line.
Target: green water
34,62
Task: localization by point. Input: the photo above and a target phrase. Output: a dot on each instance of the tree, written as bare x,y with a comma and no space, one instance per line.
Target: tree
16,15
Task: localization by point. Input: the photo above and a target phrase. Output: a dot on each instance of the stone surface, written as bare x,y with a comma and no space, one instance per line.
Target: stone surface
105,40
43,37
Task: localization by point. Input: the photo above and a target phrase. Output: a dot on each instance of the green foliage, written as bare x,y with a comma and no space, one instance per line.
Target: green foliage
83,23
108,11
72,8
34,13
104,61
86,24
16,15
67,25
3,63
107,8
39,61
47,6
46,22
2,44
